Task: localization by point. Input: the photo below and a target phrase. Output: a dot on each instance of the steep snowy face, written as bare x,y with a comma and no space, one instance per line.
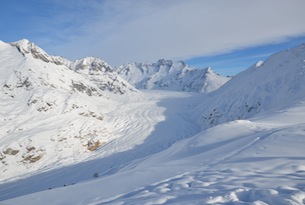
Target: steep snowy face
274,84
170,75
97,71
102,74
25,65
27,48
49,113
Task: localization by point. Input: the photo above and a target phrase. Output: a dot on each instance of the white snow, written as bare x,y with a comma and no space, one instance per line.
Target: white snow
242,162
171,75
50,113
275,84
250,150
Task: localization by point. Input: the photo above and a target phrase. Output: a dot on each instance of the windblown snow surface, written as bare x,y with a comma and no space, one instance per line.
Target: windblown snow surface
241,144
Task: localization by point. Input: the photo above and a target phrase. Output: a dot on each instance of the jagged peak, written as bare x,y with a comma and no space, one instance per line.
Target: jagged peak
92,63
27,47
209,70
160,62
171,75
164,62
90,60
182,63
23,41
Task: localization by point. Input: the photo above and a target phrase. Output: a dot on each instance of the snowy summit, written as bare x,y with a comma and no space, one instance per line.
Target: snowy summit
170,75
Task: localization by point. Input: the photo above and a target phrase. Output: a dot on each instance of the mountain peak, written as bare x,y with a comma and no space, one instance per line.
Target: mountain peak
84,74
25,46
28,48
102,74
164,62
24,41
90,61
171,75
92,64
209,70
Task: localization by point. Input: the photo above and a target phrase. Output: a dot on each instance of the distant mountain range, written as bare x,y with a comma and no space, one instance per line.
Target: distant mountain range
170,75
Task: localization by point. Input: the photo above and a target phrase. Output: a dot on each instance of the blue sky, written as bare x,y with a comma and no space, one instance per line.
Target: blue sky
229,64
228,36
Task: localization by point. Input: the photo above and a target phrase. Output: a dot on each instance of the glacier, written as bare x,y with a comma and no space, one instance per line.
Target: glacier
70,135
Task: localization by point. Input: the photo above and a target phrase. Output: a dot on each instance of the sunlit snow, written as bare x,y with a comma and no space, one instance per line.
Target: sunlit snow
241,144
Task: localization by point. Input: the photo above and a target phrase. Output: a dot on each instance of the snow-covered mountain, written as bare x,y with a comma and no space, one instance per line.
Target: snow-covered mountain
241,144
171,75
52,109
102,74
271,85
94,69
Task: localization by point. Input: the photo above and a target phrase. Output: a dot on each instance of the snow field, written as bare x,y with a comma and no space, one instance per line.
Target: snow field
252,161
67,137
143,118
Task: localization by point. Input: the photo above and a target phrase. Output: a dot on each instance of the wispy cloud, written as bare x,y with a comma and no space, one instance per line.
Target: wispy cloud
120,31
234,62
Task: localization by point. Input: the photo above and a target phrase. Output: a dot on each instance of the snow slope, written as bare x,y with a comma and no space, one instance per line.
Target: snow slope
171,75
50,114
271,85
255,161
138,129
94,69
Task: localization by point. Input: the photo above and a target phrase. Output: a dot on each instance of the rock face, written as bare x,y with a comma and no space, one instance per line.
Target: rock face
170,75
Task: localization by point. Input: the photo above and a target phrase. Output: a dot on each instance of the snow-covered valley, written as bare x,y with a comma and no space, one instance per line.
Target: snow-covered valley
154,121
259,161
78,133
